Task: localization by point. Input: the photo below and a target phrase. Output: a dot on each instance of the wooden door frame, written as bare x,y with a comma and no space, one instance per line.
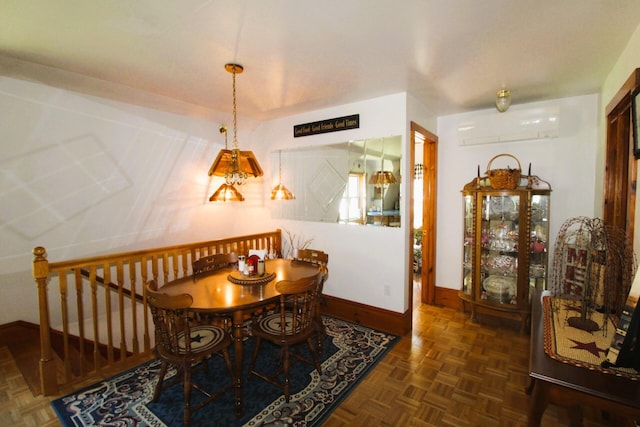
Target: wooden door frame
620,175
429,210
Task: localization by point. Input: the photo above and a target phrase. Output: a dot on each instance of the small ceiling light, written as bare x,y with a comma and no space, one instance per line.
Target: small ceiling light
234,165
503,100
280,192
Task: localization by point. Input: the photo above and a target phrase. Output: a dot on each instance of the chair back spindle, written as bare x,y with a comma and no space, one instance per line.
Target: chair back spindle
171,322
298,304
213,262
320,258
313,256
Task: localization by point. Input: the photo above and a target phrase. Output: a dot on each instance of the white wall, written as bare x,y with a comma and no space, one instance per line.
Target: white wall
154,189
566,162
366,264
418,113
83,175
147,186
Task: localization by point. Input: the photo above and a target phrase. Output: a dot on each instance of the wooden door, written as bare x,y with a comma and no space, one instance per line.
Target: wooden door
429,196
621,166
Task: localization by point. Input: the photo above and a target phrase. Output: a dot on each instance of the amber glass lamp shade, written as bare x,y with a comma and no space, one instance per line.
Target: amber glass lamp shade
280,192
226,193
383,178
247,163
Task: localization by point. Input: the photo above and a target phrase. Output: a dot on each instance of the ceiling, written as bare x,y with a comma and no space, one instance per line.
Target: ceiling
302,55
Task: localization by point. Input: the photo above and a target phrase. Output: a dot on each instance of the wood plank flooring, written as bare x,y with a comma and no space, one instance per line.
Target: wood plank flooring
447,372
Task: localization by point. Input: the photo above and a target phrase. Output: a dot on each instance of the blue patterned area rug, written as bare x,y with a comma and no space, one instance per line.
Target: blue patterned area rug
350,352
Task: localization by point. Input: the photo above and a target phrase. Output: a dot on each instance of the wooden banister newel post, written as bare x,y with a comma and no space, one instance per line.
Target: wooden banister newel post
48,381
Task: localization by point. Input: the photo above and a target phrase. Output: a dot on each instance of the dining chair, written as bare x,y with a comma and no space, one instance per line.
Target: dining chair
313,256
213,262
287,328
183,343
320,258
208,264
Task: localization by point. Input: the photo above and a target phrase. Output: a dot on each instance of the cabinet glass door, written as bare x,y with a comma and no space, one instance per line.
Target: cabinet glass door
468,246
499,253
539,241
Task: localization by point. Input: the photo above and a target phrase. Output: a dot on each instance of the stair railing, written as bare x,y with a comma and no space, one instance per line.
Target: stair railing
95,311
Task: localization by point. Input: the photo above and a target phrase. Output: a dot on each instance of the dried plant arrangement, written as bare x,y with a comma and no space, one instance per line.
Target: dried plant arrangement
294,241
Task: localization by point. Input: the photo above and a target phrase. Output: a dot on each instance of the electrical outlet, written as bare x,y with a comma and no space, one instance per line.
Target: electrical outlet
387,290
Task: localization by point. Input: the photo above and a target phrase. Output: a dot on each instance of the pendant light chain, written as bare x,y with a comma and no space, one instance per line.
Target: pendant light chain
235,175
235,117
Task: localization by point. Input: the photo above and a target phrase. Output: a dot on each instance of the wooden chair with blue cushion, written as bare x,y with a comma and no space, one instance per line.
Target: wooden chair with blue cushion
185,344
291,325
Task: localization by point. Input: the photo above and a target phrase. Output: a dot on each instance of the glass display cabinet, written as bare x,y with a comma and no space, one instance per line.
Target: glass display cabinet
505,247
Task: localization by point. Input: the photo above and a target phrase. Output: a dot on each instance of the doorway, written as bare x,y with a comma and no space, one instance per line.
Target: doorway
620,164
424,159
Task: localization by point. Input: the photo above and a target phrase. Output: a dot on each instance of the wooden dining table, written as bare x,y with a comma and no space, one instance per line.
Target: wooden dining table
216,293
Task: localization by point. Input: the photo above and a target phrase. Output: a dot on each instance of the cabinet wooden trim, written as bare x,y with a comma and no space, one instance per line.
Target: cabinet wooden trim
505,247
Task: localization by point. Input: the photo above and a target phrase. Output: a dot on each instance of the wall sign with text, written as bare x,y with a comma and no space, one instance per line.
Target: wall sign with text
325,126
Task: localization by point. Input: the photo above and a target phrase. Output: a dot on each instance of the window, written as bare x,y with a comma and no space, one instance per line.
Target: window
353,204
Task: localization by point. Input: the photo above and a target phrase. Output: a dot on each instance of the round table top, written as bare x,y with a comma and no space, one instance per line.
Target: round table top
213,292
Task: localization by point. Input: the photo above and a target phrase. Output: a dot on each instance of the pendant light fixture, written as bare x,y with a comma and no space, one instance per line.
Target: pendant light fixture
503,100
280,192
226,193
234,165
380,178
